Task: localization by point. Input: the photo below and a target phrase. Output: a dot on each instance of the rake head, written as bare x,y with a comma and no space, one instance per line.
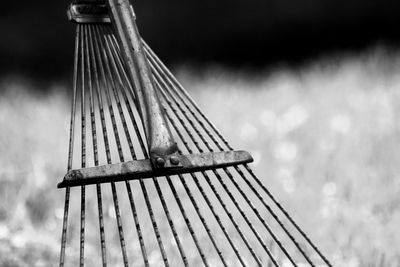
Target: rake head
131,119
165,158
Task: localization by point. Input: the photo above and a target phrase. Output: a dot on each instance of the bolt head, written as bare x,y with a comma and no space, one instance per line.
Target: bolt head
160,162
174,160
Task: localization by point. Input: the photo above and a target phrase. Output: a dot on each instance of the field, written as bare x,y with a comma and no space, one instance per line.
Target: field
324,135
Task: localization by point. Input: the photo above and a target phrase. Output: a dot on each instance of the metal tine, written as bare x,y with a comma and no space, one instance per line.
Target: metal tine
128,86
212,187
243,194
179,91
65,226
142,184
202,219
154,223
264,223
164,85
276,218
211,136
98,92
185,216
111,69
109,59
71,146
133,208
211,207
164,89
194,203
98,45
177,87
121,69
83,148
117,73
134,212
228,173
283,210
137,224
113,57
238,170
195,177
186,219
158,80
171,224
95,146
188,223
240,173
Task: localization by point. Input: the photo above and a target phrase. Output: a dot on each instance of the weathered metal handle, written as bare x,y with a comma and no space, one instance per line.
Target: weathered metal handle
162,147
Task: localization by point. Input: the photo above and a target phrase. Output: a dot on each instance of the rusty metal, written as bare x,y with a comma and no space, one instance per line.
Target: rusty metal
159,138
88,12
199,205
131,170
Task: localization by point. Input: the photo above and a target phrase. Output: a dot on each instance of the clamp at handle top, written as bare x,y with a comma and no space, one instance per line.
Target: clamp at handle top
83,12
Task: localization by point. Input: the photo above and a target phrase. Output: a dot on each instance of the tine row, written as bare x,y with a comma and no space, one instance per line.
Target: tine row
222,217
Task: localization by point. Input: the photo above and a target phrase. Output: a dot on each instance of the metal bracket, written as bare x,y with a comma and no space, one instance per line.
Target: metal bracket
137,169
88,12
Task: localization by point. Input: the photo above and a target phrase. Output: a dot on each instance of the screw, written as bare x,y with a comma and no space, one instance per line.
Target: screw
160,162
174,160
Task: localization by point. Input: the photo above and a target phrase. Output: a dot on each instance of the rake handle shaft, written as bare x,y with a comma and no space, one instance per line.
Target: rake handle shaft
161,144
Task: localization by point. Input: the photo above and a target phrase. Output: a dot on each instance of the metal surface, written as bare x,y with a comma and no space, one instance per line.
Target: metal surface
132,170
219,217
88,12
159,138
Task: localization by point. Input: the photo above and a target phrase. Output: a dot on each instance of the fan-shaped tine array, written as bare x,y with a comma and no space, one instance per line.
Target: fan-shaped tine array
223,217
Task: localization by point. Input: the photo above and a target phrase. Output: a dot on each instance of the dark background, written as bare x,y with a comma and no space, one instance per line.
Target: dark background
36,38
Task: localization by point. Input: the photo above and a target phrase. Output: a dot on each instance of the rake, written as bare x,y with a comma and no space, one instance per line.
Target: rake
135,129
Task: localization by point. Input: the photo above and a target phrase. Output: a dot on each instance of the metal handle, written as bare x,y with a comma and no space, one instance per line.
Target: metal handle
162,147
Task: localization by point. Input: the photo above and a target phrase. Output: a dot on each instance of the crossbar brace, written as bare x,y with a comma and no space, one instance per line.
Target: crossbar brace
136,169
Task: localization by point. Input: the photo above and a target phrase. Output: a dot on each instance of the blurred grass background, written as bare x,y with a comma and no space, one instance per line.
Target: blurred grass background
324,135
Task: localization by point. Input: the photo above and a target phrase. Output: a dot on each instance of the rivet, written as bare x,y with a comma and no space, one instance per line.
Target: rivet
160,162
174,160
